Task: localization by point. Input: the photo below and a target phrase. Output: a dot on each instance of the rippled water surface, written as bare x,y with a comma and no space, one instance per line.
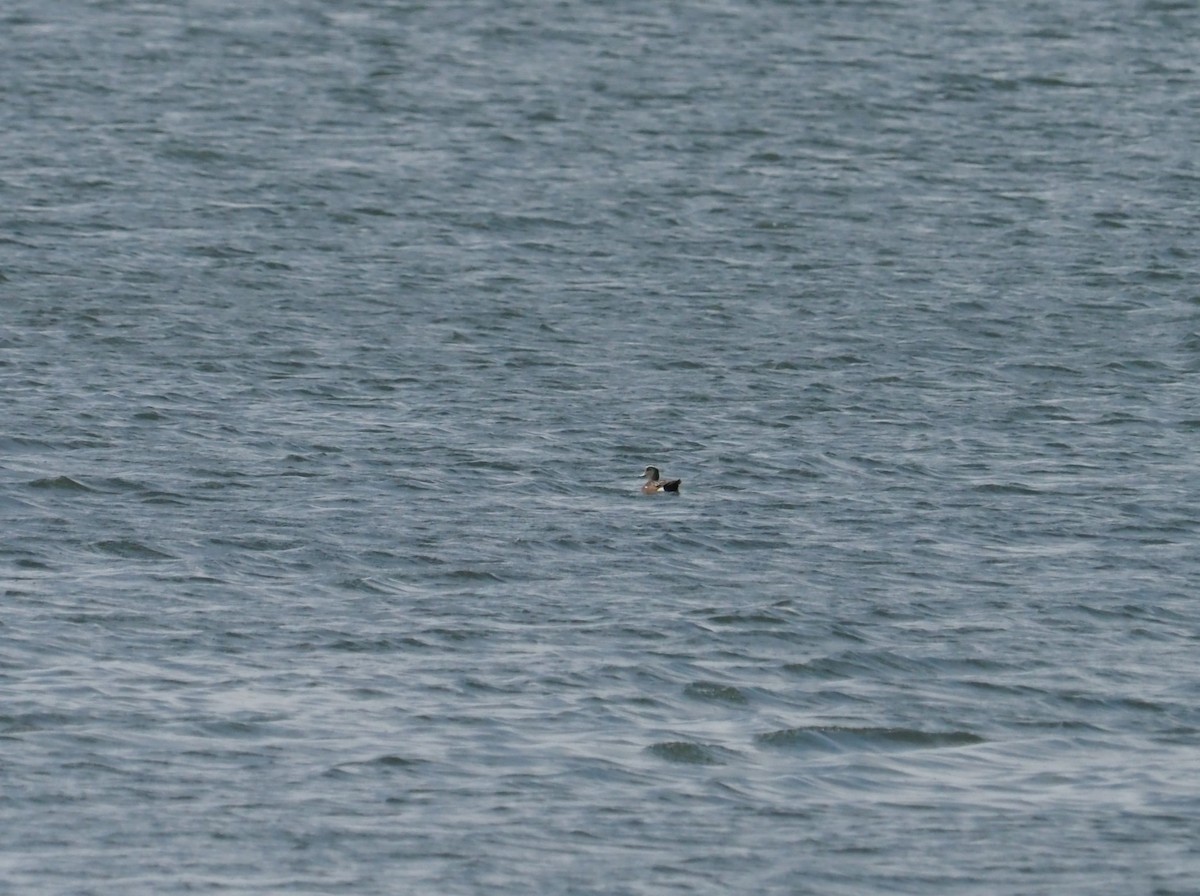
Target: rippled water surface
333,339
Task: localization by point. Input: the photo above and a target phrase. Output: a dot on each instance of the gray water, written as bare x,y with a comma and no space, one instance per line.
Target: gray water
335,337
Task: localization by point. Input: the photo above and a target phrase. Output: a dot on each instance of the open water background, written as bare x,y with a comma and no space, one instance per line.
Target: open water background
335,335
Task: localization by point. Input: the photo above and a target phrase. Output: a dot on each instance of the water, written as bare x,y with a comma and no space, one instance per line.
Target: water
334,340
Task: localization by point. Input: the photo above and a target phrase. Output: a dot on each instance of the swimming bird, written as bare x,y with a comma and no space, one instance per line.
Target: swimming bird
654,485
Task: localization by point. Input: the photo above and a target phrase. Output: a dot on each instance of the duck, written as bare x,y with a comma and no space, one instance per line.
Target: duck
654,484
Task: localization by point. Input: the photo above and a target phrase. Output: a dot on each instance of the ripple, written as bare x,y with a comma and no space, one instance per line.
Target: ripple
60,484
838,739
130,550
689,753
715,693
858,663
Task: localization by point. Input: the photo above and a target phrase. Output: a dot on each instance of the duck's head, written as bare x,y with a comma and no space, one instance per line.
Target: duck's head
651,473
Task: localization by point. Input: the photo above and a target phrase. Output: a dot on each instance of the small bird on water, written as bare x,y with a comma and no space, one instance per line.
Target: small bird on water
654,484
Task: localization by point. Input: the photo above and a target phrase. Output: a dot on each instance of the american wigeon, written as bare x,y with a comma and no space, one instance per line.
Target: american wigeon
654,485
